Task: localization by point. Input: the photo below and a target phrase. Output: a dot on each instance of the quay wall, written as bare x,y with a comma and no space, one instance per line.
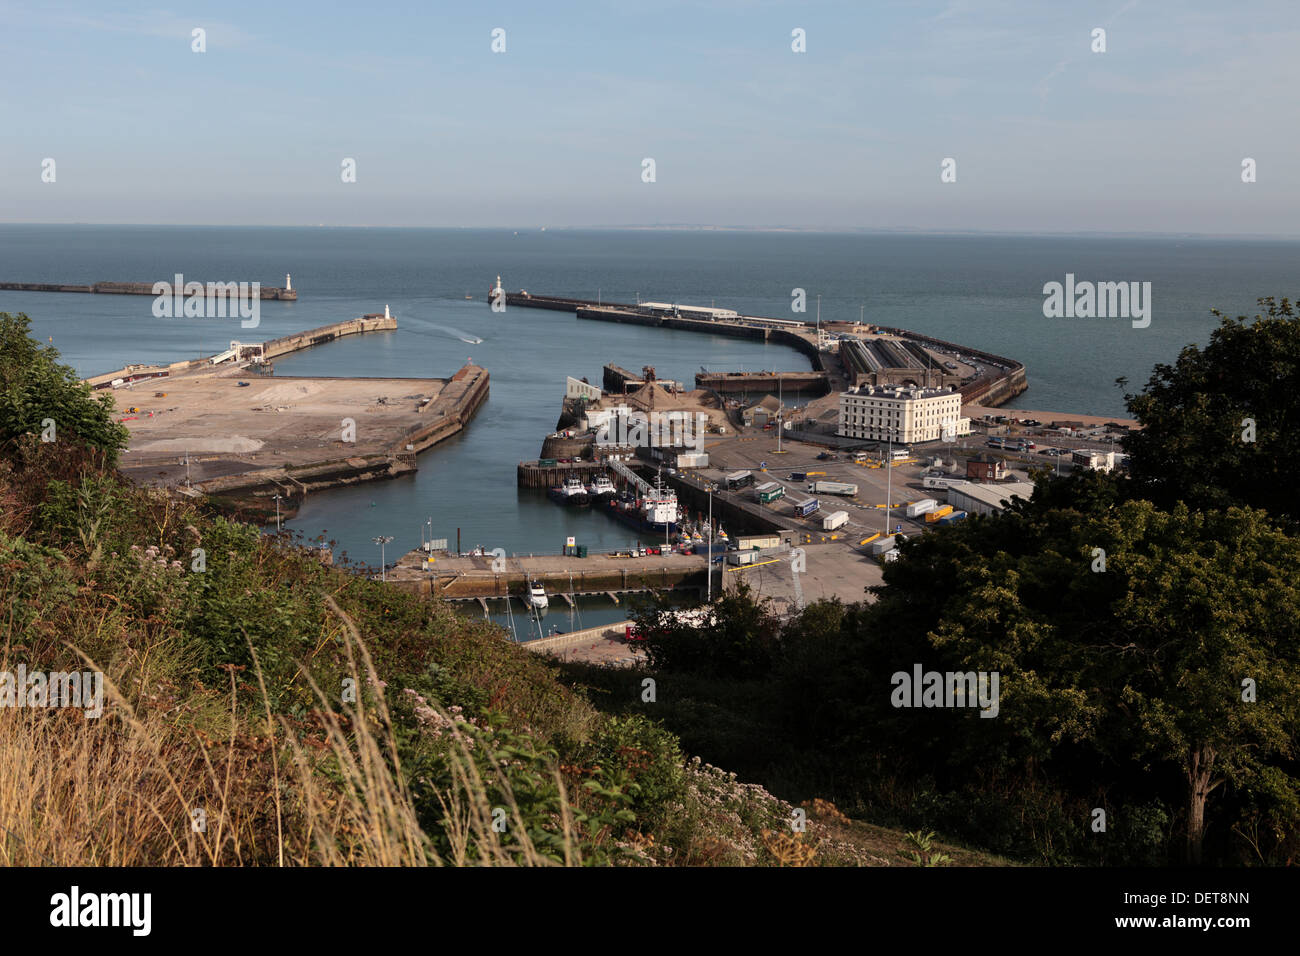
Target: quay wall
506,584
561,642
327,333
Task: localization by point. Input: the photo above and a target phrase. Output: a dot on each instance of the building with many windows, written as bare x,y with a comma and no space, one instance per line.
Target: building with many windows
904,414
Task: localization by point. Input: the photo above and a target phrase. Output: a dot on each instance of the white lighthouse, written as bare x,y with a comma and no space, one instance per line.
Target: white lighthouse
387,314
288,282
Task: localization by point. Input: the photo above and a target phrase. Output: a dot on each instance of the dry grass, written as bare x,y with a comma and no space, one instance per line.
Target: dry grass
122,790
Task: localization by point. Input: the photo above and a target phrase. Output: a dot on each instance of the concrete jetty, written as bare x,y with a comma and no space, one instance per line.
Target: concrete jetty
245,352
467,577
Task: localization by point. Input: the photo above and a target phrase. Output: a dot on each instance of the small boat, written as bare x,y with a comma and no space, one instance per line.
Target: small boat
537,594
572,492
602,488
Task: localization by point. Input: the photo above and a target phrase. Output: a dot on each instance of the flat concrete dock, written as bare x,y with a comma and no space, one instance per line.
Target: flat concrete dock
287,435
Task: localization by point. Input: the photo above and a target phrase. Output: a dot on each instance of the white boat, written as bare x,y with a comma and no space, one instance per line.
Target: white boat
571,492
537,594
602,487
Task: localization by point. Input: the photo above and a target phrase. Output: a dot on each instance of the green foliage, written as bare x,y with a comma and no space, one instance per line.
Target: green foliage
1193,414
34,387
923,852
737,638
642,759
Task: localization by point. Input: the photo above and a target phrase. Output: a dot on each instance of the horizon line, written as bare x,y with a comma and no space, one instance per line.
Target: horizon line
698,227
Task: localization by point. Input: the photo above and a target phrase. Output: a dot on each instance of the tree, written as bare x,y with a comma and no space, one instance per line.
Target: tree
1144,664
36,390
1219,425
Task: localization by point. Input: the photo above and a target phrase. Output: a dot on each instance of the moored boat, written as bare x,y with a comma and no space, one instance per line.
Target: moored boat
571,492
602,489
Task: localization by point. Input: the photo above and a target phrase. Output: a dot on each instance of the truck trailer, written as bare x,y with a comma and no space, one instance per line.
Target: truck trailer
842,488
806,507
836,519
918,508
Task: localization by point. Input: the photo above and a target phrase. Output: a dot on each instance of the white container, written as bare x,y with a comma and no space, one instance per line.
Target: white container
917,508
835,519
881,545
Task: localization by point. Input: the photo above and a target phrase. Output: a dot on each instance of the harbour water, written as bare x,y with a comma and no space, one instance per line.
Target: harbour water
982,291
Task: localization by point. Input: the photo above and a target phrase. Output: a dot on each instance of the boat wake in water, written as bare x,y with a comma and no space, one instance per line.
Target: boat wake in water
456,333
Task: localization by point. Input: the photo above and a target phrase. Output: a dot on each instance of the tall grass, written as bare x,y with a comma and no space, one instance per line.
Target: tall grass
123,790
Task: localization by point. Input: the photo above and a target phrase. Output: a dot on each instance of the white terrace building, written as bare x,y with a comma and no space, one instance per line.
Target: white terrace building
904,414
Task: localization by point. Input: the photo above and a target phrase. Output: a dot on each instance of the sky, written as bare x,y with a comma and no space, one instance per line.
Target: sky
1047,135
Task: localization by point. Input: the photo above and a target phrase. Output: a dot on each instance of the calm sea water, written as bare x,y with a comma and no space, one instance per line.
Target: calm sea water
979,291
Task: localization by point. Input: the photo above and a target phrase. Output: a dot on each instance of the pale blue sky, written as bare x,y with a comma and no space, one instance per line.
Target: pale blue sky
1048,136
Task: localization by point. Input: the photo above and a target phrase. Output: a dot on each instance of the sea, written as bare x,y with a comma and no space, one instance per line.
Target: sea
985,291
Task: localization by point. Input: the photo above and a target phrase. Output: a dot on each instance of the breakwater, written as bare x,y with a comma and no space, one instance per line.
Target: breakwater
198,289
1005,381
371,322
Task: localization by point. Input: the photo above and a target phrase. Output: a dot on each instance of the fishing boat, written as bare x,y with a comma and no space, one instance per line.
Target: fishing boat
572,492
602,489
537,594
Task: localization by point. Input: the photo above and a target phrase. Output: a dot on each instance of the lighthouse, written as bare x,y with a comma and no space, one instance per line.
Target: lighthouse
387,314
288,282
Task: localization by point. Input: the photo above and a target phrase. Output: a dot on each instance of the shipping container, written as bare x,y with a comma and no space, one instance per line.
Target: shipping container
797,476
546,462
892,554
833,488
740,557
917,508
937,513
770,491
939,481
955,516
835,519
806,507
881,545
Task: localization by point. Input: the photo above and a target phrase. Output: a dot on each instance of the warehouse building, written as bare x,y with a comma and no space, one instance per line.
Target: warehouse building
903,414
987,499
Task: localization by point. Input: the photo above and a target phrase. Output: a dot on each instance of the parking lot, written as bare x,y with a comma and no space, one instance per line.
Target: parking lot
866,510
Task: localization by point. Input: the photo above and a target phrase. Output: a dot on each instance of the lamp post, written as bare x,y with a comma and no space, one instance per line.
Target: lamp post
889,479
382,540
709,566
